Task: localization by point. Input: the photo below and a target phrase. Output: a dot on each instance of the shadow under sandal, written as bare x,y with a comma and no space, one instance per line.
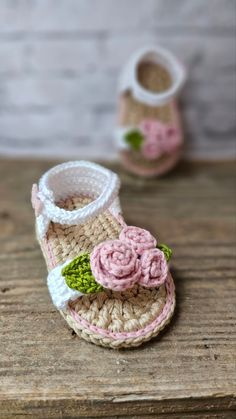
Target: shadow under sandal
149,134
111,282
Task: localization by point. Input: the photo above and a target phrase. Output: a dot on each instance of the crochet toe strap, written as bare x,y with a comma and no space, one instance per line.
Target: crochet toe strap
117,265
152,138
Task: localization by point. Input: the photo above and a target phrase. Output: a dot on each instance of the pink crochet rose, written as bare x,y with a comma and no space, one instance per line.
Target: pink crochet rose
115,265
154,268
153,129
159,138
138,238
173,139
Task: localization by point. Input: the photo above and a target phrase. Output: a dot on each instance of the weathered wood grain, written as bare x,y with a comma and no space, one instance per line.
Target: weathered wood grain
189,372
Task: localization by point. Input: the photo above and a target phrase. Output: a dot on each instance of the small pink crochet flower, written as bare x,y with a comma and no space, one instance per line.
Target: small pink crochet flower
138,238
154,268
159,138
115,265
152,128
151,149
173,139
36,203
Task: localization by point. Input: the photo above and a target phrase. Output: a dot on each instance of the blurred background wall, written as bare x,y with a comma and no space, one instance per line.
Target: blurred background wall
60,59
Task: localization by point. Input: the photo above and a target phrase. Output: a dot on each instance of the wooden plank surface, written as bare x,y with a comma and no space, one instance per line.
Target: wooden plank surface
189,371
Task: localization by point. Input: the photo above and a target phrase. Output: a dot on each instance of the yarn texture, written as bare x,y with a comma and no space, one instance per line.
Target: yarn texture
78,275
60,293
134,139
115,265
148,104
153,138
166,250
138,238
126,313
154,268
35,201
160,138
84,177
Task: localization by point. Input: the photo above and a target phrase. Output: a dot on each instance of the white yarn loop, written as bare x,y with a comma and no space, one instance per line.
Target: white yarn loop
163,57
76,178
59,291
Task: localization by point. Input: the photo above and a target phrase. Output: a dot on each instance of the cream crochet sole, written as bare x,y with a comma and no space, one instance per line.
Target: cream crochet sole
111,319
154,78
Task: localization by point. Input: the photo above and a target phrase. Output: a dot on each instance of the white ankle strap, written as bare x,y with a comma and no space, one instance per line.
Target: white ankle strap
76,178
159,55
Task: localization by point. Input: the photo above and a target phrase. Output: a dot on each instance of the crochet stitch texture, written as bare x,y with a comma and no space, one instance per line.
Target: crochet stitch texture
119,264
110,318
138,238
166,250
154,268
149,132
115,265
78,275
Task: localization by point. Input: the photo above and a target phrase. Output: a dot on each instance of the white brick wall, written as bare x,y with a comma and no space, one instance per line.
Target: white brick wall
60,59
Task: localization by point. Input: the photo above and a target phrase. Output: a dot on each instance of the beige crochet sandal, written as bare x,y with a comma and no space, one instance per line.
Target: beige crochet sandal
149,134
110,281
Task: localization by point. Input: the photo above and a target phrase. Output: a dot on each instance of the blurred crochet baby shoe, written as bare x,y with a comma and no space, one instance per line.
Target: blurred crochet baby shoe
149,134
111,282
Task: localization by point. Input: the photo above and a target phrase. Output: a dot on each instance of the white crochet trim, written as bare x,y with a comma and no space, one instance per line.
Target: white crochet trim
71,178
59,291
128,79
119,136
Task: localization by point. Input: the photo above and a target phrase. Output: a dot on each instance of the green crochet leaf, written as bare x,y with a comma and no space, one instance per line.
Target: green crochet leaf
78,275
134,139
166,250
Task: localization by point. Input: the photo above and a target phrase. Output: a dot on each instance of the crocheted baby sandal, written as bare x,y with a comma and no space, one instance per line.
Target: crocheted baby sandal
110,281
149,134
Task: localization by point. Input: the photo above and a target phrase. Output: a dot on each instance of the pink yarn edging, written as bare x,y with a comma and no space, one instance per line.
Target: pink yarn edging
142,332
46,246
